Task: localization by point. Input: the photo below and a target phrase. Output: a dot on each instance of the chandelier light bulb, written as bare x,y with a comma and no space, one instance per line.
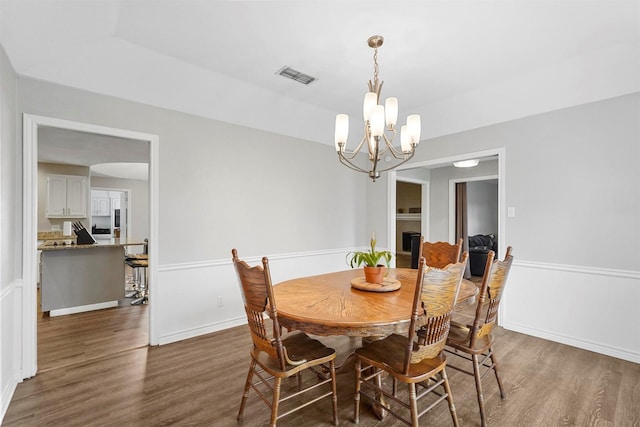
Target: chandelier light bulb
391,112
413,126
342,130
370,100
377,120
405,143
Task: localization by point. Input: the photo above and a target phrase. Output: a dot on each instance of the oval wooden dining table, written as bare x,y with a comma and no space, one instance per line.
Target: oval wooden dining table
327,304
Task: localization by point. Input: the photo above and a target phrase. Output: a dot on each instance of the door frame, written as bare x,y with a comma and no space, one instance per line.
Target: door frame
30,125
445,161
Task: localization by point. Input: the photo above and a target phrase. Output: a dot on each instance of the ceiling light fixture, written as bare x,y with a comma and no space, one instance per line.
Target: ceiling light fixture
466,163
378,121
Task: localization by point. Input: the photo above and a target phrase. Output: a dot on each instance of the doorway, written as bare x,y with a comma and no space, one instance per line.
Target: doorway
438,218
408,221
482,205
32,125
113,221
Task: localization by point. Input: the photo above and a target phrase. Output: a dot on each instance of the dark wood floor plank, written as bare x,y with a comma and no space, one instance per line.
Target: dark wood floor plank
199,382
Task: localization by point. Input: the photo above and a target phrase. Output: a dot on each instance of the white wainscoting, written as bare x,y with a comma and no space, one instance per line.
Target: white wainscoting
200,298
591,308
10,321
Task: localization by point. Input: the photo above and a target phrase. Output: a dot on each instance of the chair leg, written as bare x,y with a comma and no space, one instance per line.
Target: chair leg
334,392
494,364
247,386
476,374
356,405
379,408
413,405
276,400
447,389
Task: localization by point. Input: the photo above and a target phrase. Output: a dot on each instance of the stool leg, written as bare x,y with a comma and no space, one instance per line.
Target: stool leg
142,299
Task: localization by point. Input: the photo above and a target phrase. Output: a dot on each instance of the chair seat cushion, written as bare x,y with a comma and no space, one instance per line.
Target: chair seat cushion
459,338
300,347
388,354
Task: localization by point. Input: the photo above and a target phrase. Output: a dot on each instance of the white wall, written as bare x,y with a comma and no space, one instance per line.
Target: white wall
573,178
10,236
482,207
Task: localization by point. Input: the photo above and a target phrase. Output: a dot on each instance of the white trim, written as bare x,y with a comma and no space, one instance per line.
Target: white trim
423,216
612,351
30,264
202,330
609,272
82,308
253,259
391,213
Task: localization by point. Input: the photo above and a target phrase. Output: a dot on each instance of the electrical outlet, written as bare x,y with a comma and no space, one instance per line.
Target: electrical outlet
220,302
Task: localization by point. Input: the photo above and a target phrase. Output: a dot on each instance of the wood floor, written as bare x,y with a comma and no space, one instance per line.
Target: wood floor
198,382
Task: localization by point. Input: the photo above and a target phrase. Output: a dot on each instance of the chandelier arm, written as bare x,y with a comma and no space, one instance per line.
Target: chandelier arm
345,161
397,154
398,164
376,155
389,143
352,154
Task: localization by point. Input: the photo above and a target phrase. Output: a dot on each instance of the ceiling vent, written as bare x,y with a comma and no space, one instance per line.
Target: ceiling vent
289,72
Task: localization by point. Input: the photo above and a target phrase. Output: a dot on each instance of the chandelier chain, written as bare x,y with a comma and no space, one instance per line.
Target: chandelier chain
375,65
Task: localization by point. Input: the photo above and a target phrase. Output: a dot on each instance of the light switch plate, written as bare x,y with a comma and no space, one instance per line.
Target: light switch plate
511,212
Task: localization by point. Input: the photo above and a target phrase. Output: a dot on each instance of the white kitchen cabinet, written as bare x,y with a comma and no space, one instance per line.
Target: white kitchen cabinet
100,206
66,196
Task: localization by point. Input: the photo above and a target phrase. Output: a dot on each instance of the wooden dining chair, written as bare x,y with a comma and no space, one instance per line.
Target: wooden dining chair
274,357
475,342
440,254
417,357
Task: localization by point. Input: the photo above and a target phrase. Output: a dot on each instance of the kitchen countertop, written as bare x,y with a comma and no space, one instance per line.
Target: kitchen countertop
107,243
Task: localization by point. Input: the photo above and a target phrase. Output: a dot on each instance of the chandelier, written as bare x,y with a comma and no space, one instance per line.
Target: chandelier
379,128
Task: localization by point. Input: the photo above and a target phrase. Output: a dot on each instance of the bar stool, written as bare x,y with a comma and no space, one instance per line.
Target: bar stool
139,267
139,263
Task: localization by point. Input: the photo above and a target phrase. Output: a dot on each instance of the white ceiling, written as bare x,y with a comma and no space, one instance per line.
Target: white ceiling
107,156
460,64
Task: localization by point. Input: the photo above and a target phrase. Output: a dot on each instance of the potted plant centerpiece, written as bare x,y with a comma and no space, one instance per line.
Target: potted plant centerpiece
374,271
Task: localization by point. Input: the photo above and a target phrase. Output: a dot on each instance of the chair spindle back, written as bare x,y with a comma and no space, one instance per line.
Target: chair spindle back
493,283
434,300
257,294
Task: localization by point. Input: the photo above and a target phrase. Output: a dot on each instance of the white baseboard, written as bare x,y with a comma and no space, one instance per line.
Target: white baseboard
83,308
207,329
7,394
618,353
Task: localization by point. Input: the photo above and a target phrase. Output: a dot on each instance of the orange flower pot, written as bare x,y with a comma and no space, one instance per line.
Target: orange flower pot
374,274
